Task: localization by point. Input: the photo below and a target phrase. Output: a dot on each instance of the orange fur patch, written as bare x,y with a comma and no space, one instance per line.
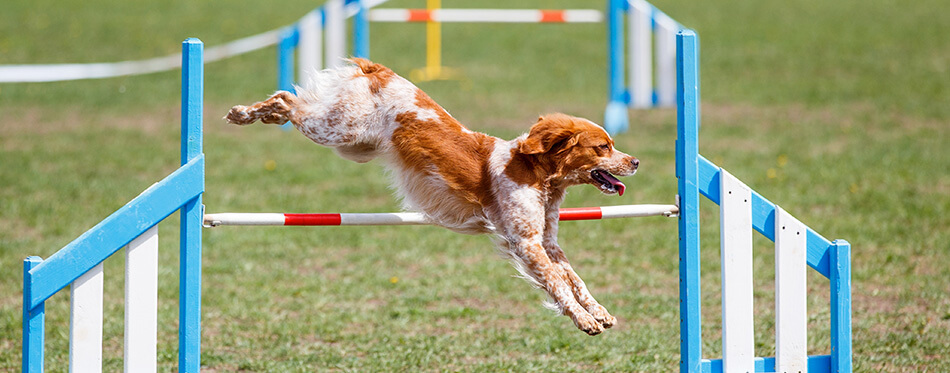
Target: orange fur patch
377,74
460,157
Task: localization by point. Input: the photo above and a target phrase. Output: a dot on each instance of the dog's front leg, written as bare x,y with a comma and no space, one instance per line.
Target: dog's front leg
578,288
536,264
553,250
520,222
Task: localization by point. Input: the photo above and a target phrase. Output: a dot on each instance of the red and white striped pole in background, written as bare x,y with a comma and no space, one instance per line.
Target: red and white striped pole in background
434,16
487,15
415,218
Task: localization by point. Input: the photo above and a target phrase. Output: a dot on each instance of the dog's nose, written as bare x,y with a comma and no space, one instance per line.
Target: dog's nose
635,162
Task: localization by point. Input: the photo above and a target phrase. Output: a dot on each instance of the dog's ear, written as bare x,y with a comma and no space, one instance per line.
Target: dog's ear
549,133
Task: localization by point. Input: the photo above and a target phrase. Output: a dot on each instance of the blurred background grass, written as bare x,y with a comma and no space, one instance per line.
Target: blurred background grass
837,111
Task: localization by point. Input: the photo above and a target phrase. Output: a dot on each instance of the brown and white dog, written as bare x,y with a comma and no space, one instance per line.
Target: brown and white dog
462,180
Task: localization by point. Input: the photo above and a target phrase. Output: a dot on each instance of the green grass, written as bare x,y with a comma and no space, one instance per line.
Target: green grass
836,111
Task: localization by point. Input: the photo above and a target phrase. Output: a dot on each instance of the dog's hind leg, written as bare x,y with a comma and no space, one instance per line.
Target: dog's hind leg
275,110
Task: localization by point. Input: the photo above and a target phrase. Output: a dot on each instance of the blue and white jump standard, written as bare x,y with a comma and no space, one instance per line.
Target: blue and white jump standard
742,210
79,263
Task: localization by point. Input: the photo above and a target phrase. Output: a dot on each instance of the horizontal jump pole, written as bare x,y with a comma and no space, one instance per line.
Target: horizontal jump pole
415,218
487,15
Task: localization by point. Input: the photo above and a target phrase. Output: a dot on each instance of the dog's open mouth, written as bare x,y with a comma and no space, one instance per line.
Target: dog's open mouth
608,183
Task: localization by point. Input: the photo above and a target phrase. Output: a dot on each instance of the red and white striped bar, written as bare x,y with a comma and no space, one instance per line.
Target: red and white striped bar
487,15
415,218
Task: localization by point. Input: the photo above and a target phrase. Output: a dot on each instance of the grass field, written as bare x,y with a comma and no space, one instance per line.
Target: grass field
837,111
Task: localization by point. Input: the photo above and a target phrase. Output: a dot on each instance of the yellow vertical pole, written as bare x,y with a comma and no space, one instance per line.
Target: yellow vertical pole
433,42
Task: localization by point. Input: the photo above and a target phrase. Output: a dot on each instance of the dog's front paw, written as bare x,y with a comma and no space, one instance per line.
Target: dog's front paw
602,316
587,323
239,115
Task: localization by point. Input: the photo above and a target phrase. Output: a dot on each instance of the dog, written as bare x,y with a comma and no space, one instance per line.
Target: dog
465,181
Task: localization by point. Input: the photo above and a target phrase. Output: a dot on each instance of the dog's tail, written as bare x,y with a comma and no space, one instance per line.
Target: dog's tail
278,109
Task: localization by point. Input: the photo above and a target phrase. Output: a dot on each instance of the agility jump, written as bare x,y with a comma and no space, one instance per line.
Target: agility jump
742,210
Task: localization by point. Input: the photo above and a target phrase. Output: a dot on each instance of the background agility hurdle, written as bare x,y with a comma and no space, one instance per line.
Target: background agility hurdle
320,37
434,16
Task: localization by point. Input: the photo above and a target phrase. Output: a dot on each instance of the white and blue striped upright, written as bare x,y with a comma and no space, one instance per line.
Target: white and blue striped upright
78,264
797,247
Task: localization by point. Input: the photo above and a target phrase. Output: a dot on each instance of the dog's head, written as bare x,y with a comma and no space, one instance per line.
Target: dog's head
574,151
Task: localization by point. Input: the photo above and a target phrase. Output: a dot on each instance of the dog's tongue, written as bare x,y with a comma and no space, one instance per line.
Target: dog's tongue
616,183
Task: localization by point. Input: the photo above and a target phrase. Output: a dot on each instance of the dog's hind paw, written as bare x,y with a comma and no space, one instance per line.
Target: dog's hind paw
239,115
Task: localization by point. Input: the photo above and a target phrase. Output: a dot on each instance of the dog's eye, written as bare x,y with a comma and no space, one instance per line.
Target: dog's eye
605,147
